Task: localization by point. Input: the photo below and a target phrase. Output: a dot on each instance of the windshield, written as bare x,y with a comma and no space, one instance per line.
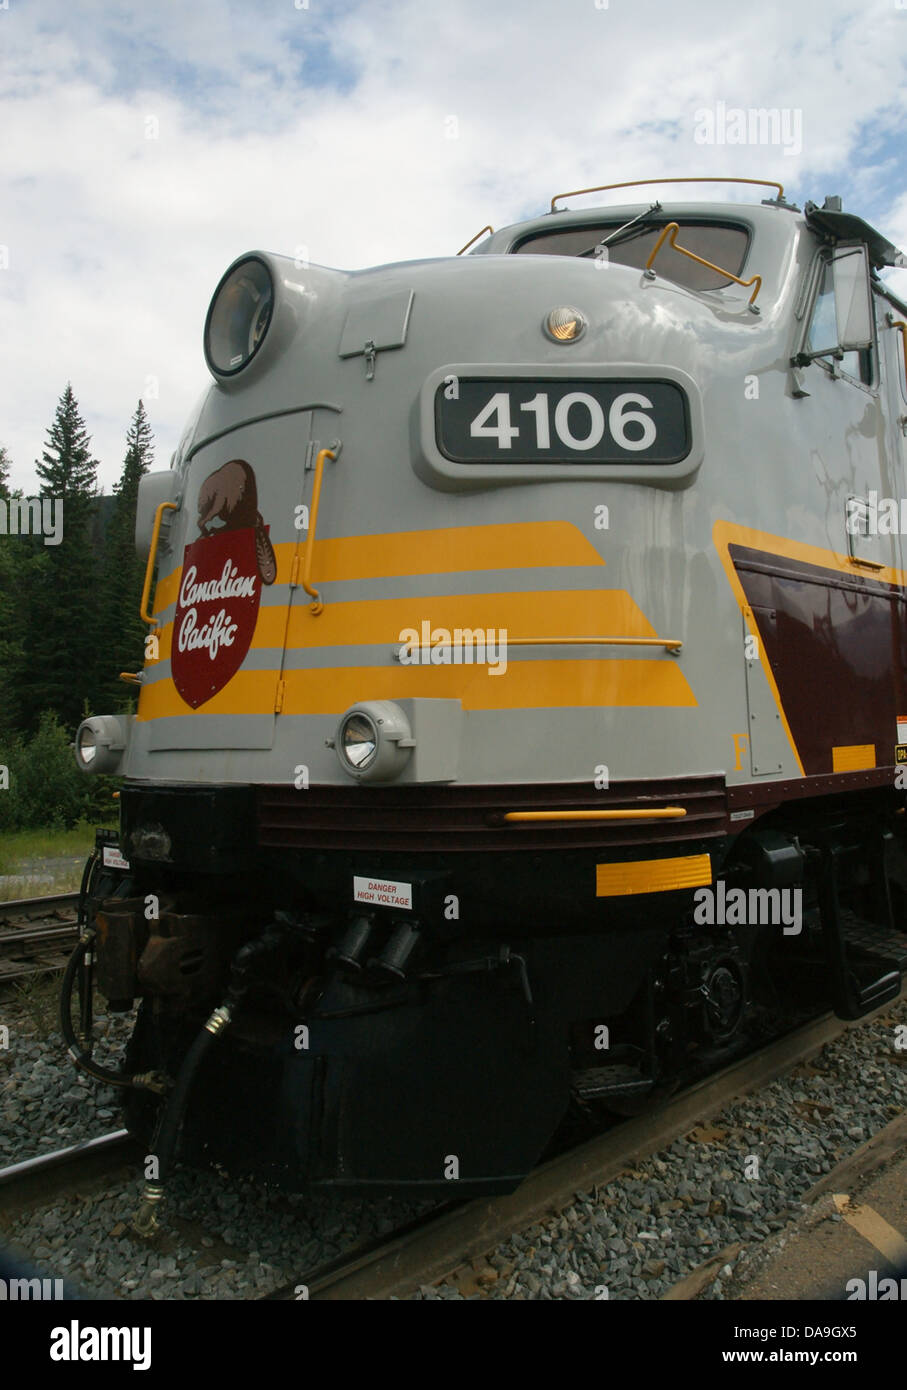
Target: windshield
722,245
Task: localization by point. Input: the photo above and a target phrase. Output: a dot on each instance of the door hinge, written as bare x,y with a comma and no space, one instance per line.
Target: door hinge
279,697
294,571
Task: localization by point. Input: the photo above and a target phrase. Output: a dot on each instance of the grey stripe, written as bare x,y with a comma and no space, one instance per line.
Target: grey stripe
382,654
427,586
524,581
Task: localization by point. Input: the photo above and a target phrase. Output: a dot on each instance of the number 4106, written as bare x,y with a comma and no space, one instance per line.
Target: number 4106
493,421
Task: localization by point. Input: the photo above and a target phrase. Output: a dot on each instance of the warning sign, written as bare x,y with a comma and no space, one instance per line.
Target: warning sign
383,892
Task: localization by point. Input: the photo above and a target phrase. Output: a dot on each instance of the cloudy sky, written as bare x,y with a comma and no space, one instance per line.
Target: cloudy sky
144,145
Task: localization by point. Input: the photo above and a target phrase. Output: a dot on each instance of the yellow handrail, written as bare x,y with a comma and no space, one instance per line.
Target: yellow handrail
639,183
487,228
671,231
145,616
670,644
900,326
655,813
317,606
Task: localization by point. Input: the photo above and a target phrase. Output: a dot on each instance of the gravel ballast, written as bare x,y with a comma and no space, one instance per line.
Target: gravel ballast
739,1178
221,1238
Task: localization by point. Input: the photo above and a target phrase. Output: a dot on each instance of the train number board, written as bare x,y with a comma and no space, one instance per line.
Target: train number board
496,420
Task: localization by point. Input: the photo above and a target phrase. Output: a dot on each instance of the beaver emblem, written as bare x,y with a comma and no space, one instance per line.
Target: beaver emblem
230,495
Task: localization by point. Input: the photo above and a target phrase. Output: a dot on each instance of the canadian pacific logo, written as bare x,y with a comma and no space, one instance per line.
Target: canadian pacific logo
223,572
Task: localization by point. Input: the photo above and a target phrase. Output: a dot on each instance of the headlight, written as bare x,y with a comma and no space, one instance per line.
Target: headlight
239,317
374,741
100,742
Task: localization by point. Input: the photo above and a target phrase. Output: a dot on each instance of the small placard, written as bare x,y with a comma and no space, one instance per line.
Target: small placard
383,892
113,859
902,728
900,752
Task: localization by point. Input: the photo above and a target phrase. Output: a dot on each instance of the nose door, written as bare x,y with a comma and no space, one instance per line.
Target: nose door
223,610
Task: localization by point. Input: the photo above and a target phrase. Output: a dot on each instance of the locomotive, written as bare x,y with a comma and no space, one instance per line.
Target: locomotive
523,710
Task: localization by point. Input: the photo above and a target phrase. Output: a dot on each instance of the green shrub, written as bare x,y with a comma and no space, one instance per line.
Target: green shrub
46,789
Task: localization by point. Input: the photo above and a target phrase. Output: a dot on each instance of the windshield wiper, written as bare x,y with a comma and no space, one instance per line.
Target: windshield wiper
617,235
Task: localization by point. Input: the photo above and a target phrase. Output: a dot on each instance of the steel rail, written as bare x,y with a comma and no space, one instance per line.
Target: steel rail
47,1176
18,906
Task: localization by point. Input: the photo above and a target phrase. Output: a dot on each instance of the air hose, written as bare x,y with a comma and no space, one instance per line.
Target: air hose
165,1142
146,1217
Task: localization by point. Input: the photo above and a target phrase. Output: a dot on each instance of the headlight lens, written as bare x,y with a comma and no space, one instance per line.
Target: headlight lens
374,741
86,745
359,741
239,317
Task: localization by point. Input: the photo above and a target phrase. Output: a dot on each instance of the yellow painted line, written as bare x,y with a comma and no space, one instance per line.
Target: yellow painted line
652,875
568,612
874,1228
249,692
659,813
852,757
656,684
447,550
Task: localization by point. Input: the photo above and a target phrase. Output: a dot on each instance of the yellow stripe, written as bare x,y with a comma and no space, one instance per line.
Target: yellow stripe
447,550
658,813
249,692
652,875
567,613
524,685
851,757
874,1228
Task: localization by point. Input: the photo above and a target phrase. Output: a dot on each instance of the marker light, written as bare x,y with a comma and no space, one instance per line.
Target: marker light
239,316
564,324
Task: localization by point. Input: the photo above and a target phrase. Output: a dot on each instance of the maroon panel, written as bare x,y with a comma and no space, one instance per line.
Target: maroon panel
468,818
837,646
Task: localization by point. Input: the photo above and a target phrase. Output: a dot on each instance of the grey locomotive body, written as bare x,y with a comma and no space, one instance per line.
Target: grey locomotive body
521,710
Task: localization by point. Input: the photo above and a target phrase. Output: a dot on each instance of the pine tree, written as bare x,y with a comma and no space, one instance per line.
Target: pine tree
60,646
12,576
67,469
124,570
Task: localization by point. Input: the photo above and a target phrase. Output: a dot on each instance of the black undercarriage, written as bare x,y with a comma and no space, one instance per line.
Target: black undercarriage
439,1044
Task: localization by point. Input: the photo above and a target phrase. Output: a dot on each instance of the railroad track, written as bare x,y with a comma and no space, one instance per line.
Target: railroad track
36,1181
36,935
446,1238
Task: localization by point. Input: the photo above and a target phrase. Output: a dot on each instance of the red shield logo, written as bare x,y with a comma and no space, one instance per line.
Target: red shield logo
215,613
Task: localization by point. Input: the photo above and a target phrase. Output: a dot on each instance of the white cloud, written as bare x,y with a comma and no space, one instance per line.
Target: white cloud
327,127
